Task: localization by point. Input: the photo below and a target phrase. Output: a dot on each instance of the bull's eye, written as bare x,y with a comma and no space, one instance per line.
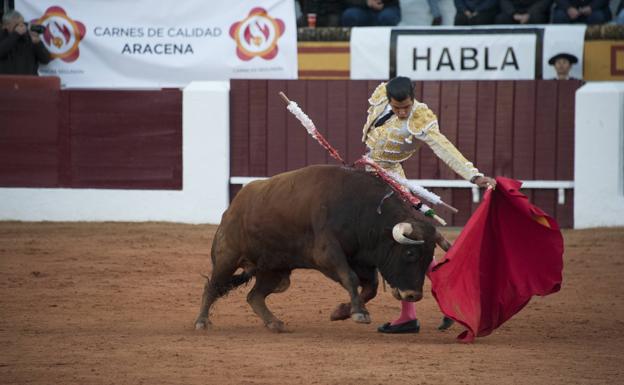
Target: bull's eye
411,256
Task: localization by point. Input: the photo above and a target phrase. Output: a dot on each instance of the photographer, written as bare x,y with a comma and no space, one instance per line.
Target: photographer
21,49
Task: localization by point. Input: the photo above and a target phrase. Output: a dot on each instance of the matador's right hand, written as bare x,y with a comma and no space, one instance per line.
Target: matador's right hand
485,181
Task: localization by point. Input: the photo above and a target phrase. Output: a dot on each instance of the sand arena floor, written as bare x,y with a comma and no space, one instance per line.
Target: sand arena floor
114,303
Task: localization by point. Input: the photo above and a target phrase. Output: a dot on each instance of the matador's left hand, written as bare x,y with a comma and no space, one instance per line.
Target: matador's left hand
485,181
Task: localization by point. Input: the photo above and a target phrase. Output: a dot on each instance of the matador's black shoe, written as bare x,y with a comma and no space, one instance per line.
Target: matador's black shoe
412,326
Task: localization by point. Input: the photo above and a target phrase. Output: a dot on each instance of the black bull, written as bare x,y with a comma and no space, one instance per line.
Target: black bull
329,218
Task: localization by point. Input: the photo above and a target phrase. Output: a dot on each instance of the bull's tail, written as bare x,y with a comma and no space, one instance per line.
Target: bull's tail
220,285
240,279
235,281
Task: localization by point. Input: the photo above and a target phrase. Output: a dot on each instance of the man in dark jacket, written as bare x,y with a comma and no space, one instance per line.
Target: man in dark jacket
371,13
524,11
21,50
581,11
327,12
475,12
619,14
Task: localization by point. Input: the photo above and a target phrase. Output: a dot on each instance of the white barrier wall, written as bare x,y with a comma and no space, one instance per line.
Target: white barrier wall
598,191
205,178
599,155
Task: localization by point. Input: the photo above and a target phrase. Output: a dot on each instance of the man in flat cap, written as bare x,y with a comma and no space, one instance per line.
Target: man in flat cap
563,63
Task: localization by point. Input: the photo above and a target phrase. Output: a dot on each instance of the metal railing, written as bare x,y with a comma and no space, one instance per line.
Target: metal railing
559,185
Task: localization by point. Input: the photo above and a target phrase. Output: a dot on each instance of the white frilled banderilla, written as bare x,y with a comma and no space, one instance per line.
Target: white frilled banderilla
405,188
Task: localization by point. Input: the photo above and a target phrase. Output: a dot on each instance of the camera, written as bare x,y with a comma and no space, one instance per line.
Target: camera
36,28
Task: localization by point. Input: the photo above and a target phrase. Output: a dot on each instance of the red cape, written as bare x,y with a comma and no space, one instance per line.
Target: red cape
508,252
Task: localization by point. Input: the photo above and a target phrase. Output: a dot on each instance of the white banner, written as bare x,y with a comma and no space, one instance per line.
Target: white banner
159,43
563,39
474,56
370,50
501,52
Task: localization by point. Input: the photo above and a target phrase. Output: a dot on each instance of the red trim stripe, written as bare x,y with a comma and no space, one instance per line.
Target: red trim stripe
323,49
332,73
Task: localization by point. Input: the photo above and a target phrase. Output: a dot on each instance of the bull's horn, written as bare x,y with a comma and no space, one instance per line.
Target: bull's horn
442,242
398,233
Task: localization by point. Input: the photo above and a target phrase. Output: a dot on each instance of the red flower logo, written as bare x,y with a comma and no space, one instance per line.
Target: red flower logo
257,35
62,34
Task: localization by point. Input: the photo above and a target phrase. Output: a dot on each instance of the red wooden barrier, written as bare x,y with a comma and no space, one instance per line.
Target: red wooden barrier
129,139
31,138
28,82
91,139
133,139
518,129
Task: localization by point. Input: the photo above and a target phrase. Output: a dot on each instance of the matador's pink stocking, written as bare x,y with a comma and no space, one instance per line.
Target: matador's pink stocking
408,309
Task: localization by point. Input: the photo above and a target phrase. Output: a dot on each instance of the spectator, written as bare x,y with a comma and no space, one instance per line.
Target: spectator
299,14
581,11
434,7
327,12
563,64
475,12
524,11
619,14
21,50
371,13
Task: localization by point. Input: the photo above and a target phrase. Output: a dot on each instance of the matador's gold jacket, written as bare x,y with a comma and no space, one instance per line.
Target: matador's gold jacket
396,140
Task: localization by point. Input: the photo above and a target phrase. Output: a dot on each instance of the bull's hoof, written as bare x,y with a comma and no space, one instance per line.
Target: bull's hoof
201,324
341,312
446,323
276,326
361,318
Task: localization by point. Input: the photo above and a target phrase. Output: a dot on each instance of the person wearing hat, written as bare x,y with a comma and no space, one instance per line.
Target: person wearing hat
581,11
563,63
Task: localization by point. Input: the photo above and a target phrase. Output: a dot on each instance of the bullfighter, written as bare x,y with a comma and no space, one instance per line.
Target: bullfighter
396,126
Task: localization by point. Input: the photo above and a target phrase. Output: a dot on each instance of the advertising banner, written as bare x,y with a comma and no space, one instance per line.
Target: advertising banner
477,53
157,43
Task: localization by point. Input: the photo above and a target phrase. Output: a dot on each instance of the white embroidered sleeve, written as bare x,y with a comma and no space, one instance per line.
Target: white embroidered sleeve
448,153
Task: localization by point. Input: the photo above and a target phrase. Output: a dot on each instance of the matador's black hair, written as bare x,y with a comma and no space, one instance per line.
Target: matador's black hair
400,88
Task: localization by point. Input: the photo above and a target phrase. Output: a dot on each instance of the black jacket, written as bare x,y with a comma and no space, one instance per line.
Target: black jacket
525,6
475,5
322,7
362,3
595,4
19,55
